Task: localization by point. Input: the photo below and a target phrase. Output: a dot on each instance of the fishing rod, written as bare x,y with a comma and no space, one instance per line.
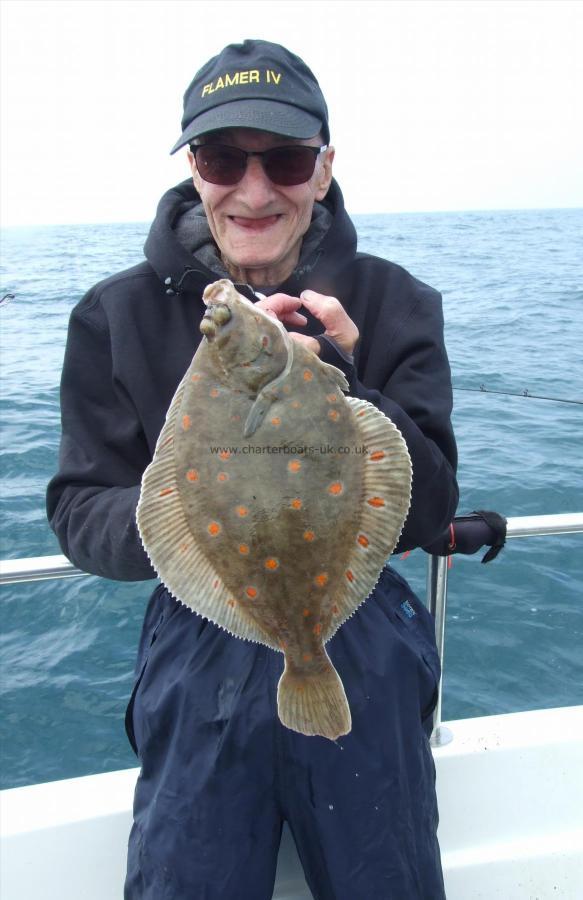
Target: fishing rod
525,393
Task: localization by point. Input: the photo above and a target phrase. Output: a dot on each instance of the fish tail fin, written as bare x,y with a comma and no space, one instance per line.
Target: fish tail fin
313,702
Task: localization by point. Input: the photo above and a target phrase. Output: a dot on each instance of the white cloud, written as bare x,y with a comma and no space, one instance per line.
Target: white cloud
433,105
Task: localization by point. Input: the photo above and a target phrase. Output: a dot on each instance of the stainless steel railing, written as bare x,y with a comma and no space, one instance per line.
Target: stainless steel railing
41,568
36,568
517,527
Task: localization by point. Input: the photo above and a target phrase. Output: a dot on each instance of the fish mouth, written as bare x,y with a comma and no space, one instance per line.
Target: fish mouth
216,316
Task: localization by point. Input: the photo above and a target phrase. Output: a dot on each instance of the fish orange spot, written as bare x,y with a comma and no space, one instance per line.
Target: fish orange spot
335,610
222,476
308,375
294,465
186,422
363,540
375,501
225,454
300,688
332,398
214,392
243,549
166,491
168,441
321,579
192,475
317,629
309,535
333,414
335,488
242,511
307,657
276,420
213,528
361,413
183,548
195,378
307,613
378,454
286,389
296,404
271,563
251,592
236,418
232,602
296,503
350,575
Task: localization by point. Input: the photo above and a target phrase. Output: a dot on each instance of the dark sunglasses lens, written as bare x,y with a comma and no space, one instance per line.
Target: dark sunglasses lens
289,165
219,164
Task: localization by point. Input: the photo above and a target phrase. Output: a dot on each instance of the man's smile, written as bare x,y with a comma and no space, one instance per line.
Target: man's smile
255,224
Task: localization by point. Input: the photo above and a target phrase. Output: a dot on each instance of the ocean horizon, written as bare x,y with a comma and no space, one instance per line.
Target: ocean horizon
7,226
512,286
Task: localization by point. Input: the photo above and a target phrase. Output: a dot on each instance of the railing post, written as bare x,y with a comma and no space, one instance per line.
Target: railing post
436,603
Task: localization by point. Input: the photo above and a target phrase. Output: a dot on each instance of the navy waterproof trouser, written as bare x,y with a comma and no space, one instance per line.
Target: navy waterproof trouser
220,773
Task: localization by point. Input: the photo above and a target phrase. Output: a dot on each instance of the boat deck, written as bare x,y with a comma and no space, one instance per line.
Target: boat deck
511,799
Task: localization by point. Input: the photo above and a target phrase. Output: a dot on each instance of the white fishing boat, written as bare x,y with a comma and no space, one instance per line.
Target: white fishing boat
510,793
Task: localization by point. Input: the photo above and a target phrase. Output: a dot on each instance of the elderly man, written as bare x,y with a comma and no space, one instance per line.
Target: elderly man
219,773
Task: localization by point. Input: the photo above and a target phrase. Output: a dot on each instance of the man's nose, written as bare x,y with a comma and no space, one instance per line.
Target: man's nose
255,187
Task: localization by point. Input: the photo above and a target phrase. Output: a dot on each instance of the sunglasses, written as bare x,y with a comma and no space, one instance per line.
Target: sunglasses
285,166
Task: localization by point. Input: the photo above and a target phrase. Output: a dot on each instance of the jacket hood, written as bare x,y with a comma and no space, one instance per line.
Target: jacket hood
180,249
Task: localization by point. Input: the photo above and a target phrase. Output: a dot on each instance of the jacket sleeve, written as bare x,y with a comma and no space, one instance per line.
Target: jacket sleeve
92,500
417,397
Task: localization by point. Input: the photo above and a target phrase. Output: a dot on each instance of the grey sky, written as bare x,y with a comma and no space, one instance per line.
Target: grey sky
433,105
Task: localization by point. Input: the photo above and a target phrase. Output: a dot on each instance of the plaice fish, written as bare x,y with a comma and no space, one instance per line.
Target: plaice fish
273,501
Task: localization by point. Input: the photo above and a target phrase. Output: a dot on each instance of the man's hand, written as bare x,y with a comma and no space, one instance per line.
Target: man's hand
284,308
328,310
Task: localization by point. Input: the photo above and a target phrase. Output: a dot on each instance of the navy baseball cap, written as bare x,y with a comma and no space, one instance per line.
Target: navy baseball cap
257,85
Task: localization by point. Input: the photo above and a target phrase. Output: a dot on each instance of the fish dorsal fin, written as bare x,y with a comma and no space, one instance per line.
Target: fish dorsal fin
385,504
336,375
171,546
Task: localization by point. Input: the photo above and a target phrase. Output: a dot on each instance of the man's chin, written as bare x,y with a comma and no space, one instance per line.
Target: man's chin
256,260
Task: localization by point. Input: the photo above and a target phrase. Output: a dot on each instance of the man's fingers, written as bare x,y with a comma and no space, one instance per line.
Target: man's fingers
309,342
330,312
284,308
293,318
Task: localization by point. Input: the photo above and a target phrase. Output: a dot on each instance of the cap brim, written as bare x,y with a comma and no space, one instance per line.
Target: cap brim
261,115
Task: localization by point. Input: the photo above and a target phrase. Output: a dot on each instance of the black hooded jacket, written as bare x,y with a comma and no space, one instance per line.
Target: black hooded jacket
133,335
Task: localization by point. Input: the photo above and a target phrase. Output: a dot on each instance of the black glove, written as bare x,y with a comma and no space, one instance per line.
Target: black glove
467,534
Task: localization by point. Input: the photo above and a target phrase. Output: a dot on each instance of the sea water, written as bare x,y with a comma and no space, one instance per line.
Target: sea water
512,285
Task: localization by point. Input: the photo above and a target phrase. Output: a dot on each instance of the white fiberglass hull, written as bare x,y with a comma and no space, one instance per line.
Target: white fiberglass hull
511,806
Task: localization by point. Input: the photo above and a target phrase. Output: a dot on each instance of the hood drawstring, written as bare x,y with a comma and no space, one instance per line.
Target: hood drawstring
307,267
175,287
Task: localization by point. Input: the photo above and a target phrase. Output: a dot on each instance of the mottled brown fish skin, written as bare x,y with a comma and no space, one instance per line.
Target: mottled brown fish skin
294,515
258,489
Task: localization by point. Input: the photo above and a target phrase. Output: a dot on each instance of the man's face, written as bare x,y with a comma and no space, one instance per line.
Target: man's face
258,225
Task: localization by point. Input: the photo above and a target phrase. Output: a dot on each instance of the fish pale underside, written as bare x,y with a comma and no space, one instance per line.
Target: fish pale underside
273,501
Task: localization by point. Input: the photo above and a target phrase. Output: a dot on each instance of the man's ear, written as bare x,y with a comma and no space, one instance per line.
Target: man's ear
324,178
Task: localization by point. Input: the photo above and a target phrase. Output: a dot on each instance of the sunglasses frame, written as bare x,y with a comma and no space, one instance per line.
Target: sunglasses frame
262,154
